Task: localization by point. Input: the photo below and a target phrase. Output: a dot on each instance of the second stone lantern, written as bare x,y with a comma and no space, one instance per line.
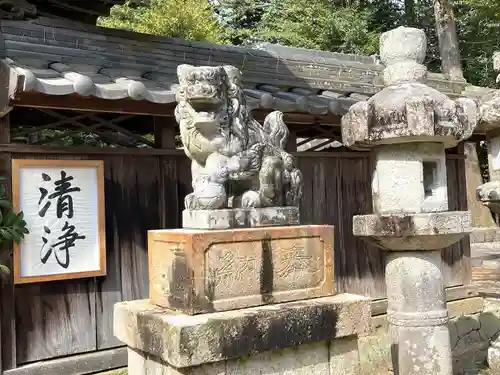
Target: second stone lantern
408,125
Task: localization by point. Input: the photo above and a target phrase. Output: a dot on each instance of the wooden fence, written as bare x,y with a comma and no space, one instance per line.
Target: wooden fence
144,189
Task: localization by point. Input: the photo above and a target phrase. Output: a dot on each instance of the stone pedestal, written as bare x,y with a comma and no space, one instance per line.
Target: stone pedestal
318,336
199,271
417,313
243,301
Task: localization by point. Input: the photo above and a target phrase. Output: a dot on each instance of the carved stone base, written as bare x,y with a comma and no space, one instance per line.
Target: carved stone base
199,271
240,218
417,315
420,231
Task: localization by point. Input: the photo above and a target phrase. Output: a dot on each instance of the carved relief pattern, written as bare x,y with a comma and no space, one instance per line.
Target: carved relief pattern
296,260
242,269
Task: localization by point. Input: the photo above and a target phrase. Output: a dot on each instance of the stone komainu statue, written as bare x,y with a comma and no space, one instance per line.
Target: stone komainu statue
236,162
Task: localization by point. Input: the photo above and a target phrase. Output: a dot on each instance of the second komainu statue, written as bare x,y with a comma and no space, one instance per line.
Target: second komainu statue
236,162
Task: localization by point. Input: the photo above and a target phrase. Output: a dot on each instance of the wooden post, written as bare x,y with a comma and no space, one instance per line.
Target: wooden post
448,41
291,145
164,130
8,306
410,12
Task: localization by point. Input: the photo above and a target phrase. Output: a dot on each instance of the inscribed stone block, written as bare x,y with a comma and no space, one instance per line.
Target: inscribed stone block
198,271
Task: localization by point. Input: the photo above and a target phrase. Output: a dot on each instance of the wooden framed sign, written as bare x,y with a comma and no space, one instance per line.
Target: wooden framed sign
63,206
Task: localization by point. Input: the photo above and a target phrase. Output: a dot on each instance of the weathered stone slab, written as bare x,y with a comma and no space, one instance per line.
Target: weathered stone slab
240,218
420,231
300,360
186,340
480,235
198,271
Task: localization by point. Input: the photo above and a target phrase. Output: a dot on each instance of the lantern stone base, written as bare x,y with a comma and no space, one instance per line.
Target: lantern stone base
318,336
202,271
409,232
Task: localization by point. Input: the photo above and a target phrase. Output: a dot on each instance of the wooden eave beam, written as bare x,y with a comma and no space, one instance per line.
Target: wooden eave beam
92,104
142,107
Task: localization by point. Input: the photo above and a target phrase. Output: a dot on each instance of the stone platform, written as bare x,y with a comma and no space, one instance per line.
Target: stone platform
200,271
320,334
240,218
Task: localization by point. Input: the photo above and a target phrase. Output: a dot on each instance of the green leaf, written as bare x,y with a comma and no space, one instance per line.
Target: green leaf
4,269
15,235
6,234
10,219
5,203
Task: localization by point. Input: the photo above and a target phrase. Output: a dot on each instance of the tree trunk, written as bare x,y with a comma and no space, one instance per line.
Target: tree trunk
410,12
447,36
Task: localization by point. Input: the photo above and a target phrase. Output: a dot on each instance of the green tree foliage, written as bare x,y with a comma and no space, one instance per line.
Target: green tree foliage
12,224
187,19
478,24
316,24
240,18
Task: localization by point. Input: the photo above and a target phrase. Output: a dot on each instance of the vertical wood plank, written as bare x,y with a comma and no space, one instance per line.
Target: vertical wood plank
463,205
164,128
109,289
307,202
138,213
172,205
331,196
318,187
361,267
481,215
164,132
184,187
8,323
291,145
55,319
452,255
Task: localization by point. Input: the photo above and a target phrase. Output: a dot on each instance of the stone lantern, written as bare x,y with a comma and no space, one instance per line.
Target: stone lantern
408,125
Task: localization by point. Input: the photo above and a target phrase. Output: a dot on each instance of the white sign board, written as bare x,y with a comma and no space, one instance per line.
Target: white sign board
63,206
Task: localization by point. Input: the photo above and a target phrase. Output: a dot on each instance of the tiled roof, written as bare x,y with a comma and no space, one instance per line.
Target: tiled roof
57,58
